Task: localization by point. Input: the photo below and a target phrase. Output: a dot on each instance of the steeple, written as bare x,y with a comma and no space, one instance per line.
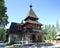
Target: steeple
32,17
31,14
30,4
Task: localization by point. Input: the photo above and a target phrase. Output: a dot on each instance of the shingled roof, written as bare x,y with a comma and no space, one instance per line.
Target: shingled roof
31,13
14,29
35,22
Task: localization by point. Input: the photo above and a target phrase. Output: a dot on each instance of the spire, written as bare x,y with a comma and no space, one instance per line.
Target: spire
31,13
30,4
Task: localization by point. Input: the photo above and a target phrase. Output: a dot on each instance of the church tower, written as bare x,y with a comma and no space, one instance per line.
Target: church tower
32,20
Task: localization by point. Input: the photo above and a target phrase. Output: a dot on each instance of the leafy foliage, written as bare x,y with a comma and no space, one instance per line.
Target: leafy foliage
2,34
51,32
57,27
3,20
3,15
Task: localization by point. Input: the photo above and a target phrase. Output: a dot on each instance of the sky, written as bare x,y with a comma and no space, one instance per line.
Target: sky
48,11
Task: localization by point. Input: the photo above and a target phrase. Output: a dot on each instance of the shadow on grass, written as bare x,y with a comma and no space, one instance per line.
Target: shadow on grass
48,44
34,45
44,44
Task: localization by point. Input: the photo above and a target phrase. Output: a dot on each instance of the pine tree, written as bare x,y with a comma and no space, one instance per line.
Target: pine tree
57,27
51,32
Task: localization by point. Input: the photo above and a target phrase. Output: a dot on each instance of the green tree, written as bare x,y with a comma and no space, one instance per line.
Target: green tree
2,34
51,32
57,27
3,19
3,15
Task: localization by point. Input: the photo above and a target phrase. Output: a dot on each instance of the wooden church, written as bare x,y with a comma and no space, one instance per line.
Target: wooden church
28,32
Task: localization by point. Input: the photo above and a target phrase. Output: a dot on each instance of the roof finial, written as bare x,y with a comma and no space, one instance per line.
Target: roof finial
30,4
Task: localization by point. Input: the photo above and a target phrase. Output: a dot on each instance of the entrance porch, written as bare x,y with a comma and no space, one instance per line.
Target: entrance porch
26,38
